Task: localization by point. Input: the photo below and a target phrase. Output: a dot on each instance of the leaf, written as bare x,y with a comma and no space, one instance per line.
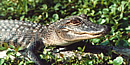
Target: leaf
56,7
121,15
113,37
90,62
5,47
29,63
127,29
103,21
96,40
44,7
113,8
118,61
2,48
1,61
11,46
105,10
79,48
110,61
105,42
83,49
105,16
129,41
10,9
94,3
46,15
92,12
10,52
59,59
25,6
55,16
17,48
22,17
21,63
101,56
122,43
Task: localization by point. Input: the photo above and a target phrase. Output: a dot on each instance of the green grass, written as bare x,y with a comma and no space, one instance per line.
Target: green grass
113,13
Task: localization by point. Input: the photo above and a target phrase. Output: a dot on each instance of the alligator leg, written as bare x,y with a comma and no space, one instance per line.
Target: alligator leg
32,52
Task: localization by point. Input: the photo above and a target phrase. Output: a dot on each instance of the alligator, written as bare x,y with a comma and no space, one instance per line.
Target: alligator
33,36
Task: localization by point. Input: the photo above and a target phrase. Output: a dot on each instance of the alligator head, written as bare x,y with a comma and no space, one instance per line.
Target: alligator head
74,29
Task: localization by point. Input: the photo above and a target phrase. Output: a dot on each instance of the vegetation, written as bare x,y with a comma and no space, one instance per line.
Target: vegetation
110,12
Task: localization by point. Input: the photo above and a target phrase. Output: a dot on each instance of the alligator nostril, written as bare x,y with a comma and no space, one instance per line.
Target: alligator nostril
107,28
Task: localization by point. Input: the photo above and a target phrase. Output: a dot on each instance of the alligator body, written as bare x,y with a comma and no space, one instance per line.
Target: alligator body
32,36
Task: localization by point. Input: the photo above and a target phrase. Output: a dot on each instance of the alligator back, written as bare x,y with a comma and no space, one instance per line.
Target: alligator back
19,33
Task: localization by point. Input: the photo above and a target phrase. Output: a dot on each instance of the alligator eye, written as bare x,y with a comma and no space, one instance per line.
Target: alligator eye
74,22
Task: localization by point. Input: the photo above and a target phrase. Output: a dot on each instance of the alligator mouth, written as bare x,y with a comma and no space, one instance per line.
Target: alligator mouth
100,33
87,33
90,34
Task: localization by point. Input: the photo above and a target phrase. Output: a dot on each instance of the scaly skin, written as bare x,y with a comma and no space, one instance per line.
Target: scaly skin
32,36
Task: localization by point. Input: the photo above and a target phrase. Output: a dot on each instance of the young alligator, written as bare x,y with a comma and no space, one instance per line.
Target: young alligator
32,36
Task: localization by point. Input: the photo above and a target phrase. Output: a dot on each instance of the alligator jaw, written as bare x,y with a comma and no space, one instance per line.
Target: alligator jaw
76,36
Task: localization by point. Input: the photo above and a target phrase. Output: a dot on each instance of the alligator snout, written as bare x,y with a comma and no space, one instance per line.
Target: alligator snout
107,29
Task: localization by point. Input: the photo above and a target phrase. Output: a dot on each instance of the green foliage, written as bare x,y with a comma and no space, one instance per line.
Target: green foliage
113,13
118,61
4,47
